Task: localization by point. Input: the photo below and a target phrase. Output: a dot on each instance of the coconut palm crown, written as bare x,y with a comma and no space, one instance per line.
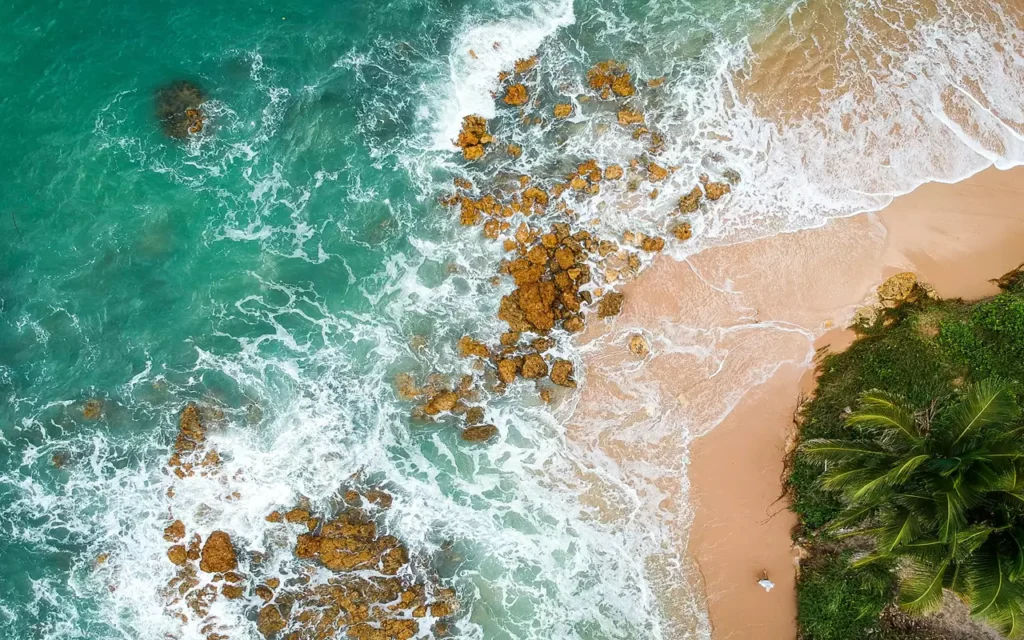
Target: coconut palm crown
940,490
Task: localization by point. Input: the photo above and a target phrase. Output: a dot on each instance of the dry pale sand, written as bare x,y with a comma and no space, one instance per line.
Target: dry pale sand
699,426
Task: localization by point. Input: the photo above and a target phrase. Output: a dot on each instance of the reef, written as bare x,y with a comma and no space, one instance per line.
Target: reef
342,581
610,77
179,109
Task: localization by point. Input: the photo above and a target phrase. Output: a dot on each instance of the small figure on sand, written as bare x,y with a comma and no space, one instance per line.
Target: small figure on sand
765,582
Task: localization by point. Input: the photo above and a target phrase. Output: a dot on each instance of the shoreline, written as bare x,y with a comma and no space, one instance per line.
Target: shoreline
732,334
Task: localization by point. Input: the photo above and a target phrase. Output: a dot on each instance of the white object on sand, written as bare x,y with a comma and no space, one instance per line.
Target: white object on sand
766,583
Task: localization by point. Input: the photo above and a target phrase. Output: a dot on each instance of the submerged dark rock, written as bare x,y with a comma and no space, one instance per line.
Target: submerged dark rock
179,108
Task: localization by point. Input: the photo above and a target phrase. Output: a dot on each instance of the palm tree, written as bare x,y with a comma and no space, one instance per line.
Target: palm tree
940,490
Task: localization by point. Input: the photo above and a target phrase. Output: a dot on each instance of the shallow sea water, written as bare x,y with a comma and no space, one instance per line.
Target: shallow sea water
286,264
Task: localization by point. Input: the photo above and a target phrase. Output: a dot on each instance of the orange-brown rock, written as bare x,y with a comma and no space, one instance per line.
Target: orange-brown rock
563,110
516,95
508,369
479,433
218,556
297,516
175,531
655,82
473,137
610,77
656,172
514,150
638,345
232,591
690,202
469,347
630,116
475,415
534,366
191,433
177,554
440,402
716,190
542,344
270,621
682,231
613,172
610,305
561,373
274,516
525,64
652,243
92,410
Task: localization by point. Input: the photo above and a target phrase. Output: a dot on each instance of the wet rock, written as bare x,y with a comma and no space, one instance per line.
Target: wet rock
542,344
469,347
638,345
652,244
656,172
479,433
563,110
270,621
690,202
508,369
177,555
405,387
897,288
610,305
682,231
191,432
218,556
175,531
561,373
516,95
441,402
716,190
93,409
232,592
514,150
473,137
526,64
179,109
475,415
629,117
534,366
610,77
613,172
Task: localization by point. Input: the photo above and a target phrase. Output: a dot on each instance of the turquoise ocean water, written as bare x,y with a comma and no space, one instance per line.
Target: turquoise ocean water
286,264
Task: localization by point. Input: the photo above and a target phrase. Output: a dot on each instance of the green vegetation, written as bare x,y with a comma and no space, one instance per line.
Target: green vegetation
931,359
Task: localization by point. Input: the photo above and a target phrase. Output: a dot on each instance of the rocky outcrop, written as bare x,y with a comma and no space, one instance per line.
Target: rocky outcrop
563,110
218,556
682,231
610,77
715,190
561,373
629,117
479,433
516,95
179,109
690,202
610,305
473,137
896,289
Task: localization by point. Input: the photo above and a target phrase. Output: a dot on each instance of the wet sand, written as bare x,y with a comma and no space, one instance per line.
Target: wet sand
699,427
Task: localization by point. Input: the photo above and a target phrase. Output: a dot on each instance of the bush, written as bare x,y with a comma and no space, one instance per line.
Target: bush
838,602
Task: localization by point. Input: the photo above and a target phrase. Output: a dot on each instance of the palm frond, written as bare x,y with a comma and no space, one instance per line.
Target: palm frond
986,402
921,588
888,414
835,451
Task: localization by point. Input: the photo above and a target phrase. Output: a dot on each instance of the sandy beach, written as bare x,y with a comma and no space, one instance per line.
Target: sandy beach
699,426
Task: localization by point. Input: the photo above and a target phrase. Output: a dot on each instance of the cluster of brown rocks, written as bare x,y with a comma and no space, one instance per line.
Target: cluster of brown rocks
473,137
360,595
438,396
343,581
610,77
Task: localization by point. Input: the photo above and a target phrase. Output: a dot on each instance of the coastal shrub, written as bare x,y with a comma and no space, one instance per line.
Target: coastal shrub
941,489
838,602
925,351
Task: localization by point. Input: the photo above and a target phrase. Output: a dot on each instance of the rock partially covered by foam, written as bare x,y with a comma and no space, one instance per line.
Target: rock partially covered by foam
716,190
473,137
561,373
179,108
516,95
610,77
479,433
218,556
